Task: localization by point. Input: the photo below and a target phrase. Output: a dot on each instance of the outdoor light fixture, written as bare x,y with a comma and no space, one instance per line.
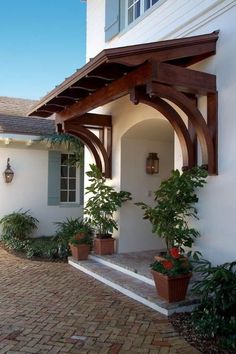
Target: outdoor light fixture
152,163
8,173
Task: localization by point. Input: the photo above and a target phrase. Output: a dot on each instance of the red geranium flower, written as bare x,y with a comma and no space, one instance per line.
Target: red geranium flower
174,252
167,264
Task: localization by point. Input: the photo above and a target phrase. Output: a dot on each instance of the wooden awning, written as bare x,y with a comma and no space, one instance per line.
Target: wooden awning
112,64
148,72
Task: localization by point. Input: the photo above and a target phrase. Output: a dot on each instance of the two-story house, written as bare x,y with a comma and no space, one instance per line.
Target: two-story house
160,78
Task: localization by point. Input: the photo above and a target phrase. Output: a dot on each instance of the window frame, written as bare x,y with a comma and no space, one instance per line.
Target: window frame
68,178
143,11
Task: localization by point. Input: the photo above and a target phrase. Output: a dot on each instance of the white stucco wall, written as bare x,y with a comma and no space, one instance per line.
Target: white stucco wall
174,19
29,187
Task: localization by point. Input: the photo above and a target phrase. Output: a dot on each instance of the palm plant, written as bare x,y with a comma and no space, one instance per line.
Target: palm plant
18,225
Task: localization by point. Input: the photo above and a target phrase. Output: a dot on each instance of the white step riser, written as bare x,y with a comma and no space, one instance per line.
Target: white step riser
123,270
121,289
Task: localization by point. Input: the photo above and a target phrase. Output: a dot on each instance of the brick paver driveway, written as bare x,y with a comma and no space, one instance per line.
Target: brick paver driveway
53,308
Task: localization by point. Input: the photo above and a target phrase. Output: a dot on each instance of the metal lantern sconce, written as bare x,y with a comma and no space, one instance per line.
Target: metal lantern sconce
8,173
152,163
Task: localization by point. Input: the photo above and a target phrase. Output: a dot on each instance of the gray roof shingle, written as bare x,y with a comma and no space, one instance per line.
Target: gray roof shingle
16,106
26,125
13,118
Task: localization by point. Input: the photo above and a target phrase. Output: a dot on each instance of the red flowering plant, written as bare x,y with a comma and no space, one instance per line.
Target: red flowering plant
173,263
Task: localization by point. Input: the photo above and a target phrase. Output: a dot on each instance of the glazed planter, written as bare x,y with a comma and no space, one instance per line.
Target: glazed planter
104,246
172,289
80,252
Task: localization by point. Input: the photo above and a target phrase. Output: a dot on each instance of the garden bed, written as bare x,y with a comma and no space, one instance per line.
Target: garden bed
182,324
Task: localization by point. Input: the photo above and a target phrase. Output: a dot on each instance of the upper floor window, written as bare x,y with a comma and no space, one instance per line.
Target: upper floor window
135,8
122,13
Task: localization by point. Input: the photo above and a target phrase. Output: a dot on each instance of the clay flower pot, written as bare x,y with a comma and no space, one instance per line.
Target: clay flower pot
104,246
80,252
171,288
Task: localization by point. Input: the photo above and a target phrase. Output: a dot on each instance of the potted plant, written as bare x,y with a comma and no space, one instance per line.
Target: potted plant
80,245
70,231
100,208
170,217
171,274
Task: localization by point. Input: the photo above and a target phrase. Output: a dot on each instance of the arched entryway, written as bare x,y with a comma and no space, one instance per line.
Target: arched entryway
150,135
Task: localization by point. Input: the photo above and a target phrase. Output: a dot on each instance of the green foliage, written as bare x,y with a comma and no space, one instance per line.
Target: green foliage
103,203
18,225
216,315
44,247
66,231
71,143
175,205
14,243
83,240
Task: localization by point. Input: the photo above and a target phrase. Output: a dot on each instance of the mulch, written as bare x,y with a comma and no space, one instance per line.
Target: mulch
182,324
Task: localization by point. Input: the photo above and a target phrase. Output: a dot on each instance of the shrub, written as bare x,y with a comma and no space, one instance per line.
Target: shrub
103,202
175,205
44,247
18,225
216,315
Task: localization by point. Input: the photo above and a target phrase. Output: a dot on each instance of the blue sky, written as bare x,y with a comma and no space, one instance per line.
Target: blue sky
41,43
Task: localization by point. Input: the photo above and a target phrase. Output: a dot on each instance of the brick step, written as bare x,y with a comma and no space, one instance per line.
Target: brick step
131,286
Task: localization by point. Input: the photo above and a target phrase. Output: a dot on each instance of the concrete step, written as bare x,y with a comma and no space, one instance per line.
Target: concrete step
131,286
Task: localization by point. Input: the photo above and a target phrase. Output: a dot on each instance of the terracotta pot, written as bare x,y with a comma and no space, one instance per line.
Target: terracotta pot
104,246
172,289
79,236
80,252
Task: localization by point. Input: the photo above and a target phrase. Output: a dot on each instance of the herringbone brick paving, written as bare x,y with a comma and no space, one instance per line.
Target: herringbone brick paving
52,308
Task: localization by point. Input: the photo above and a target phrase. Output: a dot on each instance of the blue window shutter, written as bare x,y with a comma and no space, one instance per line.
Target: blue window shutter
122,14
54,163
112,21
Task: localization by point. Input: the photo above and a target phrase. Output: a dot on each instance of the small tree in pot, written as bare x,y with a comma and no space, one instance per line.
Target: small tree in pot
175,200
100,208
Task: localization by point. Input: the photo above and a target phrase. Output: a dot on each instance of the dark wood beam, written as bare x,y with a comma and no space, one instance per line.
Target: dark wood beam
89,119
185,80
212,122
113,91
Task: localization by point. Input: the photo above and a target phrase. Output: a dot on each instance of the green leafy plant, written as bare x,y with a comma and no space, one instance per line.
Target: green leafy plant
66,231
18,225
173,263
174,207
44,247
71,143
216,315
83,240
103,203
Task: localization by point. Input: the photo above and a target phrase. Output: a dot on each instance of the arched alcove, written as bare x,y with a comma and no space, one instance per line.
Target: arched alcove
150,135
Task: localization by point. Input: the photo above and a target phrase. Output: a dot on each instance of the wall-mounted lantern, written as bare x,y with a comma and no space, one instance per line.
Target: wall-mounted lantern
152,163
8,173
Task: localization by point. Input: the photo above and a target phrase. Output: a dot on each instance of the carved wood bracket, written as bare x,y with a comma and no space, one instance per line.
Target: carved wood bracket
178,82
100,145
